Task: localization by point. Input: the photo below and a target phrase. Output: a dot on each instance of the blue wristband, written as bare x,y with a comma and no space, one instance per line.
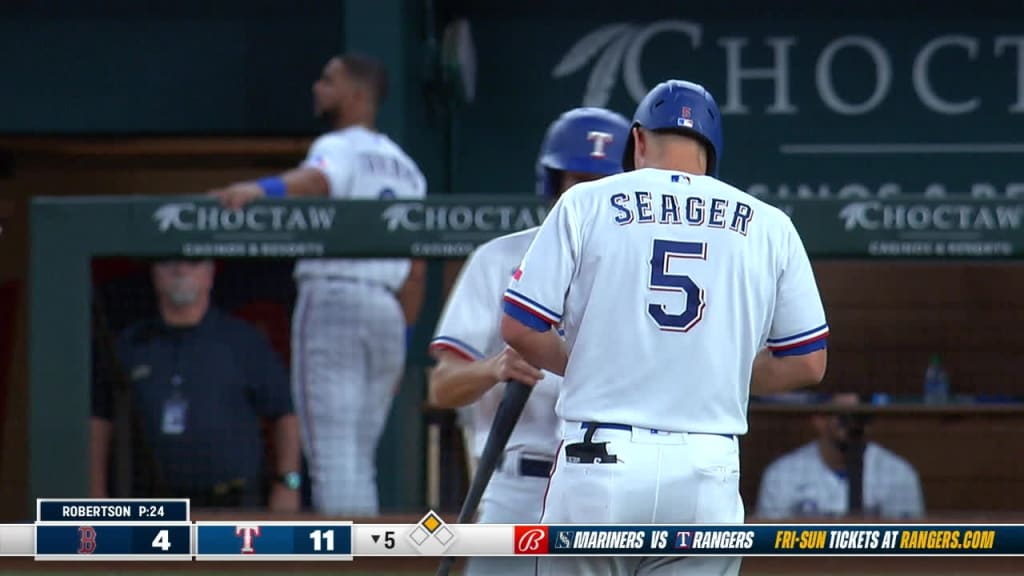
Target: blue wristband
410,331
273,186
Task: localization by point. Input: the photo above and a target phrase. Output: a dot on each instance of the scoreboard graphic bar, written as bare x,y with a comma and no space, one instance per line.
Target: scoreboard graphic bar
93,529
273,540
17,539
136,541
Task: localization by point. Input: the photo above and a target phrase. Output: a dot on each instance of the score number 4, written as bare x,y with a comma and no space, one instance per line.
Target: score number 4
162,541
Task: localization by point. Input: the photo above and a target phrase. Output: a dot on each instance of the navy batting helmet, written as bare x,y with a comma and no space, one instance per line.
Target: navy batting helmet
587,140
683,107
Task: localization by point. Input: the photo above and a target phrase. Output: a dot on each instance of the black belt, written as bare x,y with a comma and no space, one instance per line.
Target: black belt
613,426
531,467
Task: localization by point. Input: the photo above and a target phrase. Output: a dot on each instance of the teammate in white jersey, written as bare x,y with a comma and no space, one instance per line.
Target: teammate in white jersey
349,324
811,481
581,145
678,295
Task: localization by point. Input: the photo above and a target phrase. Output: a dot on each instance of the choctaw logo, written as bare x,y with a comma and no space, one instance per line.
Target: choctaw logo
419,217
190,216
620,47
873,215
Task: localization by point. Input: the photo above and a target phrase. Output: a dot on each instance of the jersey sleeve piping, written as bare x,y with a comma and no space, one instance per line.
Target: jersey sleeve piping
803,342
457,346
802,349
798,340
532,306
526,317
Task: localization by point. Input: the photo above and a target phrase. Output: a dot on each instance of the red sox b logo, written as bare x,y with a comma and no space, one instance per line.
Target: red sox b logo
86,540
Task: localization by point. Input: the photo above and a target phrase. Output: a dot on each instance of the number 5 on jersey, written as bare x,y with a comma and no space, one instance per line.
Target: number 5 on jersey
663,280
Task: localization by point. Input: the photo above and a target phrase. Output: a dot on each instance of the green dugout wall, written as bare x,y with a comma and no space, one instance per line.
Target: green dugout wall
68,232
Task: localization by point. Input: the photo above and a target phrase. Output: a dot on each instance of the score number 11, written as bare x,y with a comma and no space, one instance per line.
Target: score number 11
322,540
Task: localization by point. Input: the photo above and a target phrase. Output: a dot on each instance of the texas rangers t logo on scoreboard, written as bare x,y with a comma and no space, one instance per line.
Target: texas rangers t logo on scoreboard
249,533
599,139
86,540
531,540
683,539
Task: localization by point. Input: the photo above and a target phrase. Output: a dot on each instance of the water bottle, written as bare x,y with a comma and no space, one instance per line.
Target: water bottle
936,382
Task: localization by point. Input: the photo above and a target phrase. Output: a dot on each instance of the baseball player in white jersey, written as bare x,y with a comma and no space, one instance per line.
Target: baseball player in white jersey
811,481
581,145
679,295
348,327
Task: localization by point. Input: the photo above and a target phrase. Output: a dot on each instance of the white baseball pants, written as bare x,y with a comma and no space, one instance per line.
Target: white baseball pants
348,354
663,478
509,499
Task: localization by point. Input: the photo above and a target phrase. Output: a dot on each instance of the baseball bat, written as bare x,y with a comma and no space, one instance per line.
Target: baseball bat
512,403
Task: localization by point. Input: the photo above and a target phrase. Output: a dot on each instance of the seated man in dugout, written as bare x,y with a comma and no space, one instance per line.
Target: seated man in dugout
812,481
201,384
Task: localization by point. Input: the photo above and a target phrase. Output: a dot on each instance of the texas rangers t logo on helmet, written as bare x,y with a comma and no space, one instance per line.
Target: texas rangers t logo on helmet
599,139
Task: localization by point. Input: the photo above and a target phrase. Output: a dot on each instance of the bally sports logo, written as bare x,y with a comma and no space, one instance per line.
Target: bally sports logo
531,540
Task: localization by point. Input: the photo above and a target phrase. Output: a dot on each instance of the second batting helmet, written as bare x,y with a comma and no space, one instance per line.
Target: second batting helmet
587,140
683,107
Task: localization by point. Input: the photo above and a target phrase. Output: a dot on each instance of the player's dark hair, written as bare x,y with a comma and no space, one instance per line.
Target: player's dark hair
369,72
